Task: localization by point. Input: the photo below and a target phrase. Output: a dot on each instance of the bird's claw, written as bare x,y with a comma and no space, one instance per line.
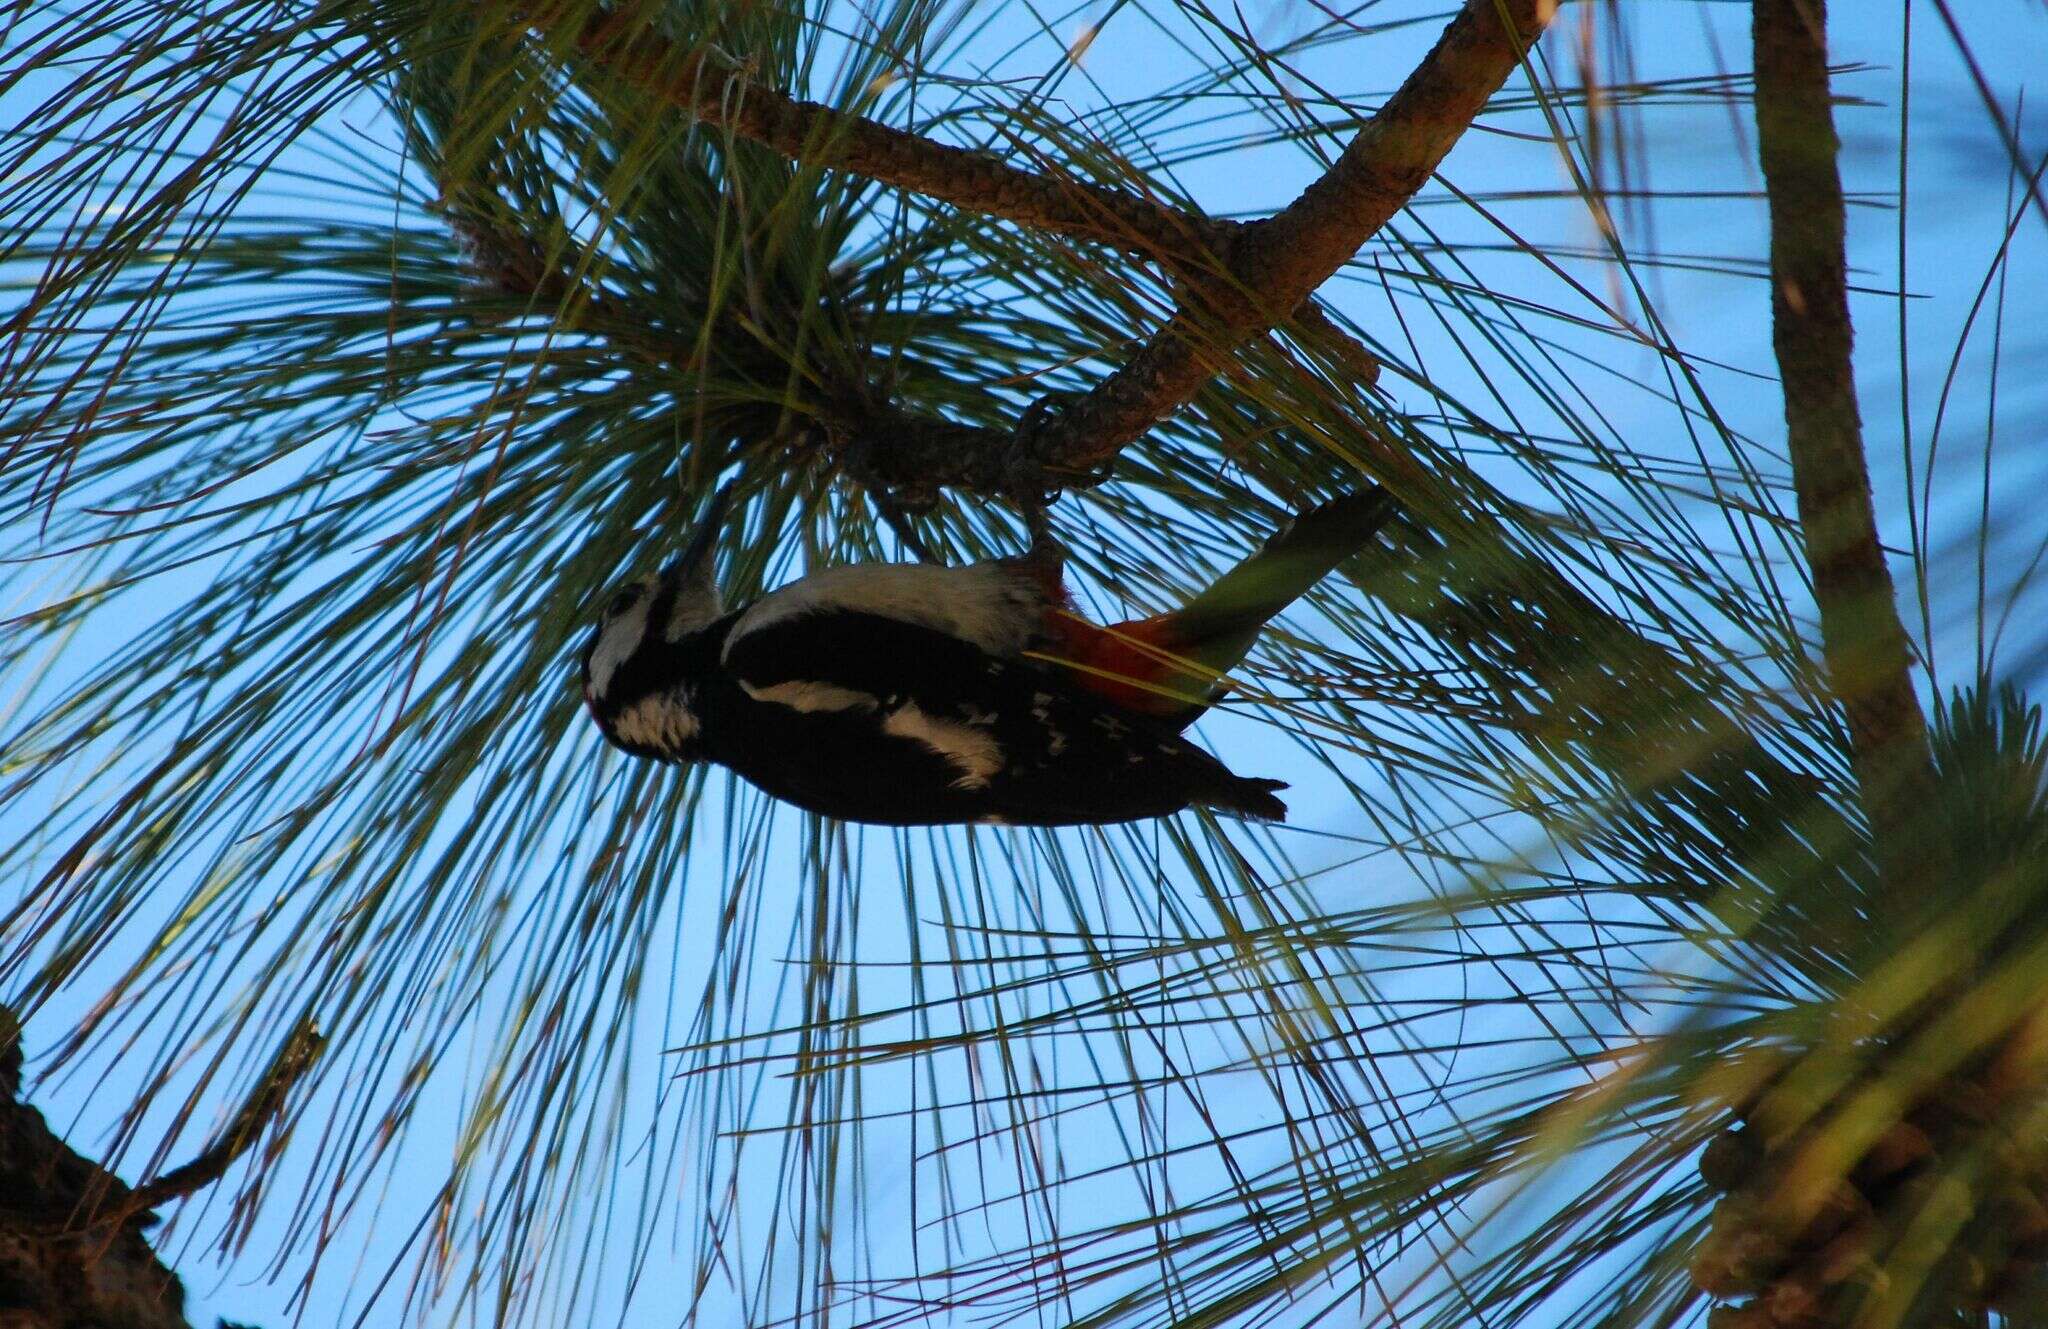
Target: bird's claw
1030,489
1027,481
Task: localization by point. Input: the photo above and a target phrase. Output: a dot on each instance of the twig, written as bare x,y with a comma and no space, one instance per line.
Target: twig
1348,350
301,1049
1868,661
898,521
716,91
117,1206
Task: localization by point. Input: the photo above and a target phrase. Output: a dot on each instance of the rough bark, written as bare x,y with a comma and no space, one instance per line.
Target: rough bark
1869,662
56,1271
72,1250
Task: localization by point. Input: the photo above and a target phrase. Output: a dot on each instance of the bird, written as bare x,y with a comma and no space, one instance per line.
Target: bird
928,694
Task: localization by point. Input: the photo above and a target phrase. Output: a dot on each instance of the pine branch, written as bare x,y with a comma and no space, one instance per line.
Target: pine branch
1311,318
715,90
262,1106
850,416
1238,281
1279,262
1868,660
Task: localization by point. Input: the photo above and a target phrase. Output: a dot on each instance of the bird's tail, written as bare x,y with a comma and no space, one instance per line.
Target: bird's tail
1218,626
1166,667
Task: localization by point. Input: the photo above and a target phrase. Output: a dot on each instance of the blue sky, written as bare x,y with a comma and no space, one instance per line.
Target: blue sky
1958,206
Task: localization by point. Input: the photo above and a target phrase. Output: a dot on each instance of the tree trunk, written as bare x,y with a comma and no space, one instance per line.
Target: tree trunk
59,1268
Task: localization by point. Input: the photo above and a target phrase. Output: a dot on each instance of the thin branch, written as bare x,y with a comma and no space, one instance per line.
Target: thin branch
1868,660
715,90
110,1205
1311,318
297,1056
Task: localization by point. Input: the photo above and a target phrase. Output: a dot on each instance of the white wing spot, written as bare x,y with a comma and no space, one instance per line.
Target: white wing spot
973,752
807,696
1057,743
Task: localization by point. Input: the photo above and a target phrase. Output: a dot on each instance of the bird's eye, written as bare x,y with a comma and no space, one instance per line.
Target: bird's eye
621,603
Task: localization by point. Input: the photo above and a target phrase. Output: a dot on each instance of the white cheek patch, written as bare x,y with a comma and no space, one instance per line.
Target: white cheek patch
973,752
809,697
616,642
663,723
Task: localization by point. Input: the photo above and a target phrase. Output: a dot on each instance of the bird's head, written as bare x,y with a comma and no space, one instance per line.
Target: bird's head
651,613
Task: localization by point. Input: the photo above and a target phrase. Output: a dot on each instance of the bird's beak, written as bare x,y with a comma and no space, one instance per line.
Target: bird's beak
696,556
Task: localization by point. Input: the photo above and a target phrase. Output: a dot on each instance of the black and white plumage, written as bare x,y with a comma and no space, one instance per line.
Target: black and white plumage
892,693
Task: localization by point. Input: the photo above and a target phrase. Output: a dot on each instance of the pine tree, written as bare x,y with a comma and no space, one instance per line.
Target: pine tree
1642,953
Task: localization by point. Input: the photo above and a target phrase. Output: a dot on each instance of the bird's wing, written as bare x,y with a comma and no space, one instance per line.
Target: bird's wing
998,607
1043,750
843,659
938,693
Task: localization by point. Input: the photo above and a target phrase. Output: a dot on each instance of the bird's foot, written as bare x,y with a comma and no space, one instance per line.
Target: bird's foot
1034,498
1026,479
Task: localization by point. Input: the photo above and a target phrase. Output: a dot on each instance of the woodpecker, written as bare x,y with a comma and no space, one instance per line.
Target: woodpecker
917,694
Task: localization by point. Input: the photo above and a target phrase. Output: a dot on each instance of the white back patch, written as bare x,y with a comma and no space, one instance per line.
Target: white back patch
616,642
661,722
810,697
996,607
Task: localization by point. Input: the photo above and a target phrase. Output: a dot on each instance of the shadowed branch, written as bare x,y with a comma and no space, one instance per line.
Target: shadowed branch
716,90
1868,660
1237,281
1279,262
